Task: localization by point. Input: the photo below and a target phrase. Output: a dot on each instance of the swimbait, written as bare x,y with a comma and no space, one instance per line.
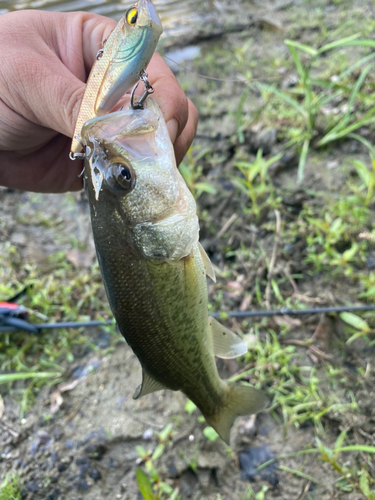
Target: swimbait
125,54
146,235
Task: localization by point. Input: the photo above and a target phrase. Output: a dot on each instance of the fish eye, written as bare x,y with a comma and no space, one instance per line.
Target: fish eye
120,177
131,16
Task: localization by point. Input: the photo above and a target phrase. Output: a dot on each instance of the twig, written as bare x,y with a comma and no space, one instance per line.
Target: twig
291,281
273,260
9,429
314,350
305,490
366,460
227,225
367,435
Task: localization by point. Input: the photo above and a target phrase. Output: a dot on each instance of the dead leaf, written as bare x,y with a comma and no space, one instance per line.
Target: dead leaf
56,401
245,303
235,288
67,386
287,321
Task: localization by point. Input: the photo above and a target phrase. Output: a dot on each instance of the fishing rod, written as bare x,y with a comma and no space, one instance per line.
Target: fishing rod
14,318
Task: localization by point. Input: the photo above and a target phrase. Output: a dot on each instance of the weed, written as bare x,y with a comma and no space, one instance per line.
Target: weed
55,293
149,483
314,97
296,391
11,487
192,172
256,183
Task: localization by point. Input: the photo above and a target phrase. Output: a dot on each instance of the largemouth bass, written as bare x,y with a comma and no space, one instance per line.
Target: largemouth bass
146,235
125,54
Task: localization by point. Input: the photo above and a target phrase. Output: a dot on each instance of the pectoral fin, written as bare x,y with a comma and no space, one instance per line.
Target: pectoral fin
226,344
148,385
207,263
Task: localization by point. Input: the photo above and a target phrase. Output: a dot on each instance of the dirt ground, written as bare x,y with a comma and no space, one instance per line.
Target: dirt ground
87,448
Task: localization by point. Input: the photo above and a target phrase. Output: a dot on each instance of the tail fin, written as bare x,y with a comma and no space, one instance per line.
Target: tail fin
239,400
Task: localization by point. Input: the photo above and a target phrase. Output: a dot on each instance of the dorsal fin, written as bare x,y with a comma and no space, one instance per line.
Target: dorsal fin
149,385
207,263
226,344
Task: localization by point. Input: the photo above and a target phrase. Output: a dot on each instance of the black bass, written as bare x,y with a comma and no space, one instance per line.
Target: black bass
126,53
146,235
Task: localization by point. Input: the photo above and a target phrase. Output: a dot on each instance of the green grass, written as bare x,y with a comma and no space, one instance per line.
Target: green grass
11,487
56,292
309,110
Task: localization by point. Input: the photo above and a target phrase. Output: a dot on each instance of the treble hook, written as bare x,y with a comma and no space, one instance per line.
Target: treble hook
147,91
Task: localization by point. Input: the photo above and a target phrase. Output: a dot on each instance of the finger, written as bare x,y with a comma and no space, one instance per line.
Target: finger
184,141
169,95
48,170
83,36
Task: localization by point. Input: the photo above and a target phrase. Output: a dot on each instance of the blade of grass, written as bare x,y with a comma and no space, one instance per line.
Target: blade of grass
301,46
368,118
343,121
11,377
297,61
302,160
282,95
342,42
301,474
365,142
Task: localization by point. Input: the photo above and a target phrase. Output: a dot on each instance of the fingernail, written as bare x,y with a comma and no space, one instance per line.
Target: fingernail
172,126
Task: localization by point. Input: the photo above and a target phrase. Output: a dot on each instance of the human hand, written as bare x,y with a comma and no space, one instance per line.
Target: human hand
45,59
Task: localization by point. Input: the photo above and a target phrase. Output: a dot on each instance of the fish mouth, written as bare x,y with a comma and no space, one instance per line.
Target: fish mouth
147,14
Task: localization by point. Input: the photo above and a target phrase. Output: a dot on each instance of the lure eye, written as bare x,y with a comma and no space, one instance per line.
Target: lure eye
120,177
132,16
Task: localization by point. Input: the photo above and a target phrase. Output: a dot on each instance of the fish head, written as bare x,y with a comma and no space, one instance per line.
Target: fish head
134,186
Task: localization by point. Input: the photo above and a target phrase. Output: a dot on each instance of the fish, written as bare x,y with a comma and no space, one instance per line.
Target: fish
146,233
125,54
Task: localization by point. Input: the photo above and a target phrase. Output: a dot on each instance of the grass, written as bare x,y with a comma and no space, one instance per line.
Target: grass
150,483
56,292
315,97
11,487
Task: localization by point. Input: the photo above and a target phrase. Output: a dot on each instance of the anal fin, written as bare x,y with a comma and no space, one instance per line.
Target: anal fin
149,385
207,263
226,344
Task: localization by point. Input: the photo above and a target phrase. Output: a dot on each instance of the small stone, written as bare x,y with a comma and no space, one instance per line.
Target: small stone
33,486
62,467
95,474
53,495
82,484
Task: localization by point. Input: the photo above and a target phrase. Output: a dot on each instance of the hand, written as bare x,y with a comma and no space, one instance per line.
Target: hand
45,60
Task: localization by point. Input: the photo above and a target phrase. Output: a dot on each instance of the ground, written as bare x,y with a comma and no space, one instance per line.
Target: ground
281,231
